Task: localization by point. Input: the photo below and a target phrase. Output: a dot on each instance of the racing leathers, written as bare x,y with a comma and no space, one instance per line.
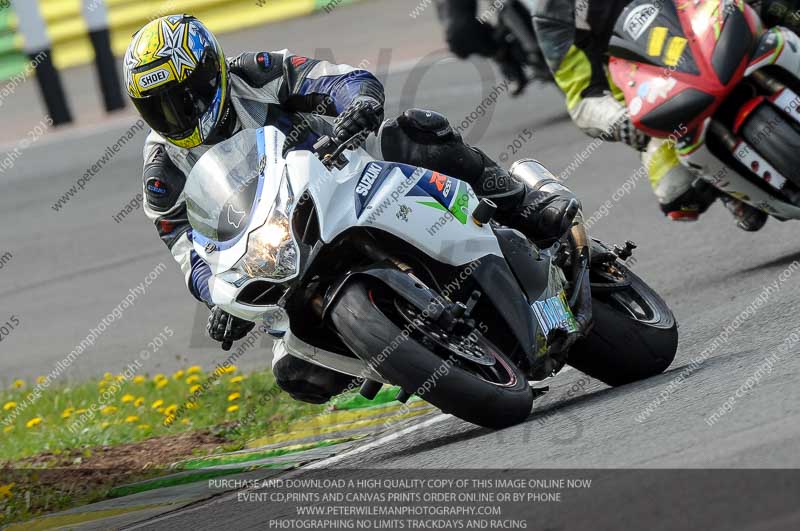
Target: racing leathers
301,97
574,36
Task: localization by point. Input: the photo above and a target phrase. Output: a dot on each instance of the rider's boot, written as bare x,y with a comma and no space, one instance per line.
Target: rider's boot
681,196
540,207
690,204
425,138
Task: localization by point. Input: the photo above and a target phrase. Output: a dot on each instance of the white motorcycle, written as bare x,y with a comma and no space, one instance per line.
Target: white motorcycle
397,275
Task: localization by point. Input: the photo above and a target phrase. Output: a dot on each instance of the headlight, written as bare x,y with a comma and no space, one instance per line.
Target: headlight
272,253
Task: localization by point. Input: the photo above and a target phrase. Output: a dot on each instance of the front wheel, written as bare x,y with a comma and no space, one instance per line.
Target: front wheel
464,375
635,335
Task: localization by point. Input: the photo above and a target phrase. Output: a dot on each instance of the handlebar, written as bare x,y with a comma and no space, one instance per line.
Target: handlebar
331,153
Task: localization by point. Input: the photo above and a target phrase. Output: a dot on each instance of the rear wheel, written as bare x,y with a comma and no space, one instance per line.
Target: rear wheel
635,335
462,374
776,138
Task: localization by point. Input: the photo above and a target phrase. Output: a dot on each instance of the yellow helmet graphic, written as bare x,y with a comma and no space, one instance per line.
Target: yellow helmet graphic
177,77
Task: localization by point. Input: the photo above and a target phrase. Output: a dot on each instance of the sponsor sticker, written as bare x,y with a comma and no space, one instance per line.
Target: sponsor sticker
635,106
154,78
658,36
157,187
298,61
367,180
660,89
675,51
235,217
554,313
639,19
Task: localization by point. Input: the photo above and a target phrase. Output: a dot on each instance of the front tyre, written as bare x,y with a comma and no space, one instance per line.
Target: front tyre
470,379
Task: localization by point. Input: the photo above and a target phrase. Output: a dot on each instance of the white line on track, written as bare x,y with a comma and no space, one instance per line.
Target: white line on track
376,443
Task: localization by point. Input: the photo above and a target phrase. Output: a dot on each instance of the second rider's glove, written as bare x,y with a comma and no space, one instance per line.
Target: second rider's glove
624,131
226,328
364,115
605,117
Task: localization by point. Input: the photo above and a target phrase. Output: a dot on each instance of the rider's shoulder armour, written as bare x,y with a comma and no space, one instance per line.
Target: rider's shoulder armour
257,69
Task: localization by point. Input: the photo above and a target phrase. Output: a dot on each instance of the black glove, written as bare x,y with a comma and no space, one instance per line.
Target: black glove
226,328
364,115
779,13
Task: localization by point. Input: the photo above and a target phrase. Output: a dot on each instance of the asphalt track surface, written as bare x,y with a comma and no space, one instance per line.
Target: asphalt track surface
70,268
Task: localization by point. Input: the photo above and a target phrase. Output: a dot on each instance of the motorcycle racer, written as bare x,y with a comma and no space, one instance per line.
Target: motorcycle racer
193,97
467,35
574,36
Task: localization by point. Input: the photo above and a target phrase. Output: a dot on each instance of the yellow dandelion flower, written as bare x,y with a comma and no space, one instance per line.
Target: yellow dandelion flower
178,374
8,406
192,379
35,421
161,384
237,379
193,389
8,429
108,376
67,413
234,396
109,410
232,409
192,405
160,410
170,410
104,425
194,369
19,384
143,426
41,380
184,421
157,404
127,398
159,377
102,383
139,379
230,369
120,378
131,419
5,490
139,402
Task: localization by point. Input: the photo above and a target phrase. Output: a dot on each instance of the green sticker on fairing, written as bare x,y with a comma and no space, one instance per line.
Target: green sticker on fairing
459,208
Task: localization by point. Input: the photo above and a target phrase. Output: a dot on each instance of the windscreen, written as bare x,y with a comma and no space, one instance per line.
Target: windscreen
222,187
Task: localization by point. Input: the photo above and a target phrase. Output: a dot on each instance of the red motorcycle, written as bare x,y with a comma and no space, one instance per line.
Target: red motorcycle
709,76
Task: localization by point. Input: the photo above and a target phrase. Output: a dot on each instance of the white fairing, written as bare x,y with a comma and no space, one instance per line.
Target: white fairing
435,232
449,236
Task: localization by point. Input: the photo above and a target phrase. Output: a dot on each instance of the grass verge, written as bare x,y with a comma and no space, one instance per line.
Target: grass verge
96,435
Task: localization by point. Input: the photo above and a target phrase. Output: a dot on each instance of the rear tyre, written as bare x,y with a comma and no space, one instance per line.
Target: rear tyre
372,325
635,335
776,139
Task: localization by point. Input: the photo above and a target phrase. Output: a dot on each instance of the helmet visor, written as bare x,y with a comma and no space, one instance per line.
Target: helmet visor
175,111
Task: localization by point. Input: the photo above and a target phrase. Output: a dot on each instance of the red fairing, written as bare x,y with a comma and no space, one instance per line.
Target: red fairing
648,87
